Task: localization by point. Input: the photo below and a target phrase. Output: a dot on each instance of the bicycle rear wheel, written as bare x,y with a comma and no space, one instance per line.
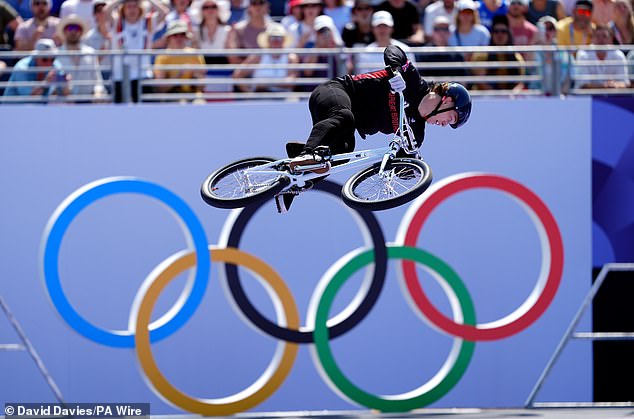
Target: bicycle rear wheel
403,180
233,186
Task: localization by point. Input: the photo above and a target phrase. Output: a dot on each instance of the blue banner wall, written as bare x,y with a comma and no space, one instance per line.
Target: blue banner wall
110,250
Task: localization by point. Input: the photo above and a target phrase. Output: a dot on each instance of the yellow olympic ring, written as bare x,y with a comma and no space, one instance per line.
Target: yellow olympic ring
263,387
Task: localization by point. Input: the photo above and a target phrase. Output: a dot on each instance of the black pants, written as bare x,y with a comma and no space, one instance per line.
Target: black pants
134,91
333,121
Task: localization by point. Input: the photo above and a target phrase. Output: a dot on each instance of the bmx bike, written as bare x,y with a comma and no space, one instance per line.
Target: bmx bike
386,181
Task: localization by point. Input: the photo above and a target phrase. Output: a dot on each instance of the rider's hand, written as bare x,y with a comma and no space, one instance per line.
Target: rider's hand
397,83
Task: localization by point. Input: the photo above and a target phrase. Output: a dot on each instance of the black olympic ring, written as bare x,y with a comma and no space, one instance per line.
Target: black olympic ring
298,336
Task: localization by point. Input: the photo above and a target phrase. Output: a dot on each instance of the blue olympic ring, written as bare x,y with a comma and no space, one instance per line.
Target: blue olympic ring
60,222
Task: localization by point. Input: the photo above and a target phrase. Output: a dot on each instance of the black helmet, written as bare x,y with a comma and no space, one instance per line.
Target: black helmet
462,101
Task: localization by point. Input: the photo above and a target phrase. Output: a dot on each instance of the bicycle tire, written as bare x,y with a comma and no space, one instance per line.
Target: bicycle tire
238,197
407,179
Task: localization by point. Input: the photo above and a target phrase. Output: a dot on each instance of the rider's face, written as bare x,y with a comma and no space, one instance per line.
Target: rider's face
429,103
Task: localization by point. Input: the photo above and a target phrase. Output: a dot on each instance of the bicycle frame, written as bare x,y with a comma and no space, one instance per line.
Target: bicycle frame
402,139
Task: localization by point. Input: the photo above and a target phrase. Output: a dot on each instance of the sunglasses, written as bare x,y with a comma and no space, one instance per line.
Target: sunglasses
40,3
500,30
73,27
257,3
275,38
210,7
584,12
441,28
363,8
551,28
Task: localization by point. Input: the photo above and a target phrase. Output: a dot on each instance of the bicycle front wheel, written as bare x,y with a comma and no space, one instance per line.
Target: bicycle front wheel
235,186
403,180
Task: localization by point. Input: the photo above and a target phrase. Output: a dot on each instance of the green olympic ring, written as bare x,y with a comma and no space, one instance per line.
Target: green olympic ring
455,365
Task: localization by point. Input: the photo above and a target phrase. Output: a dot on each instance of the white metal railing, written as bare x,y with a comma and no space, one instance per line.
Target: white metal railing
537,74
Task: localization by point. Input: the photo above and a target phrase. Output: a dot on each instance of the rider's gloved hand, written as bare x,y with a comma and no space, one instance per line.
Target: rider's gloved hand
394,56
397,83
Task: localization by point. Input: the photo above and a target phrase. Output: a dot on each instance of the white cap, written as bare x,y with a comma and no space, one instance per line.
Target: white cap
441,20
467,5
324,21
382,18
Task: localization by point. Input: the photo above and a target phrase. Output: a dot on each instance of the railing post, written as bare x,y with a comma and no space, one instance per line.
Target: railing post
125,79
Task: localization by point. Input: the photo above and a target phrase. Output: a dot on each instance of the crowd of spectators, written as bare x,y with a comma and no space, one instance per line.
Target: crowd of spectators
74,30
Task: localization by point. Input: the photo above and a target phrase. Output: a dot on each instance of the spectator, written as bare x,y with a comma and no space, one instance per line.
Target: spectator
177,35
501,35
383,28
339,11
244,34
577,29
553,66
275,37
100,37
540,8
41,26
524,32
468,32
630,62
133,30
303,32
238,11
623,22
293,15
488,9
83,69
327,37
446,8
180,10
440,38
407,26
591,63
358,31
81,8
213,33
9,19
51,77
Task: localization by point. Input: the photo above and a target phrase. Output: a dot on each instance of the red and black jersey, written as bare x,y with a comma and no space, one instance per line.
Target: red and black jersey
375,106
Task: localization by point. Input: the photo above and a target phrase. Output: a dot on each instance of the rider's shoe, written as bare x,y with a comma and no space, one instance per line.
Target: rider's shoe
306,163
283,202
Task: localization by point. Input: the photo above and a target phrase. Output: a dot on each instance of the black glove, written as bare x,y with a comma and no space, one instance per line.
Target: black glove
394,57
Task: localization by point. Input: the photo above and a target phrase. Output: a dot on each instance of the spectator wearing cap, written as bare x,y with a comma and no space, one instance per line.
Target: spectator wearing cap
407,27
86,79
100,37
383,28
133,29
468,32
540,8
293,14
49,74
179,10
576,29
446,8
327,37
623,22
598,67
273,64
358,32
303,32
81,8
9,19
244,34
441,31
41,26
524,32
501,36
339,11
488,9
553,66
177,35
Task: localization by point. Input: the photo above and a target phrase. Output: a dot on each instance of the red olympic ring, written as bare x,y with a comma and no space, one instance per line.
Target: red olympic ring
420,211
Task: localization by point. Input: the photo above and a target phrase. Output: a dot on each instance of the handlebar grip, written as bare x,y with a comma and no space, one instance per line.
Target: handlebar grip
391,71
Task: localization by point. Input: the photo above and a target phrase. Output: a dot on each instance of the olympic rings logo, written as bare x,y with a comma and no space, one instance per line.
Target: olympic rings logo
320,328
